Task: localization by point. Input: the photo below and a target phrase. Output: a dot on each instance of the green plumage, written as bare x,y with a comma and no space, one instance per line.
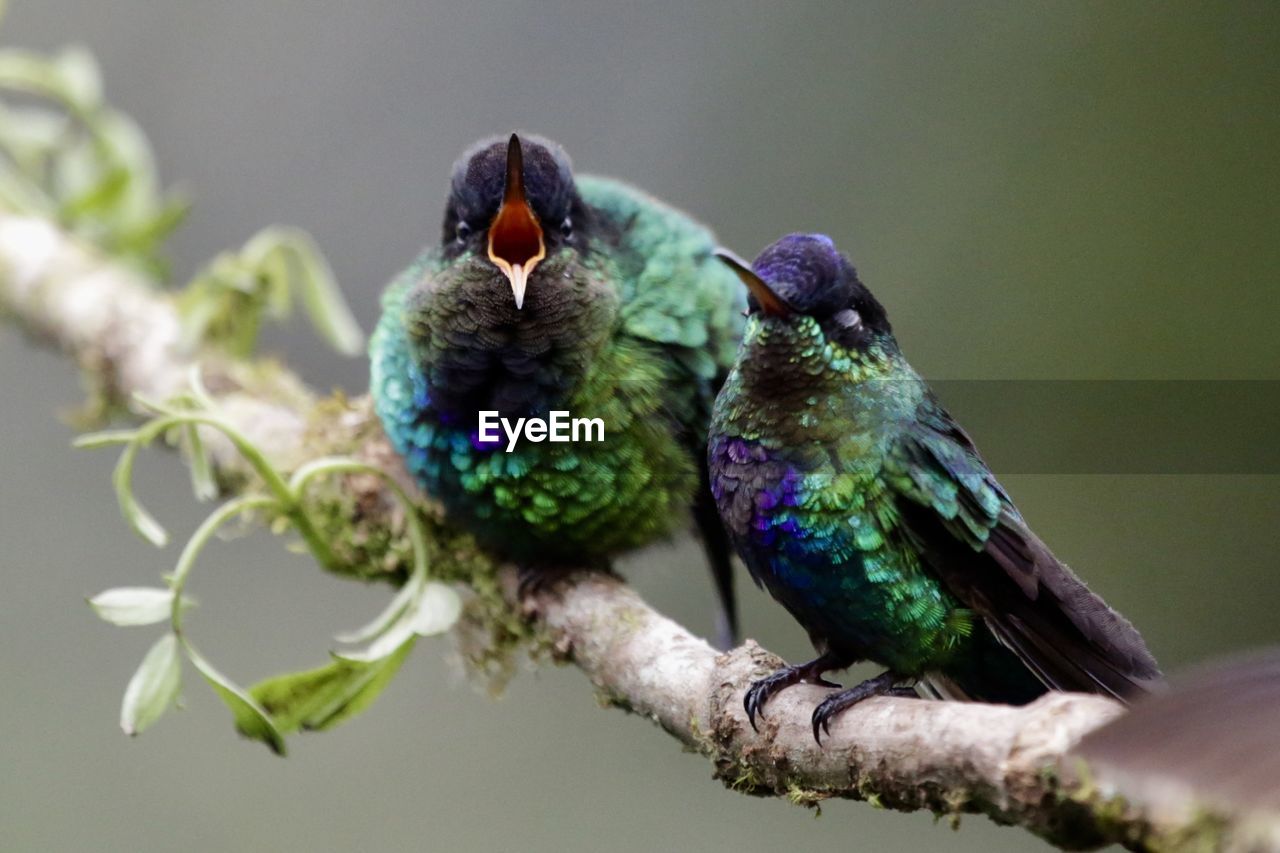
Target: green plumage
859,503
629,319
821,508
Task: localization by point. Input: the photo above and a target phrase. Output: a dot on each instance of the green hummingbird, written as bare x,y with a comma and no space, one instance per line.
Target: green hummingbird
860,504
550,292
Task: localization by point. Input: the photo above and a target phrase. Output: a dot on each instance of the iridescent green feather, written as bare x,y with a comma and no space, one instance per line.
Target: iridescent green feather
650,379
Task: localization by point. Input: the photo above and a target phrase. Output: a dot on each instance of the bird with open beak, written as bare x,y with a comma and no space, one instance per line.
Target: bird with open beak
554,292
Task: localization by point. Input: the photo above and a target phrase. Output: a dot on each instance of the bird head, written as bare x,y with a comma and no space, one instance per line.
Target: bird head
803,286
514,202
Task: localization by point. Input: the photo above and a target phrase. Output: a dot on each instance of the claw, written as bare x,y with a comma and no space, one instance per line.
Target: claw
751,706
533,580
762,691
884,684
529,581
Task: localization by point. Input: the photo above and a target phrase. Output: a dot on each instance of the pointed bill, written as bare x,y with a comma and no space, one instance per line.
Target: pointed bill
519,276
770,302
515,235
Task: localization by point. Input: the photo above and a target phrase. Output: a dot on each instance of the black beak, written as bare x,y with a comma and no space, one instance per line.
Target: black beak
770,302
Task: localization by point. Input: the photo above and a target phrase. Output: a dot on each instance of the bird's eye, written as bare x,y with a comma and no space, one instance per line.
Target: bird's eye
462,232
848,319
566,227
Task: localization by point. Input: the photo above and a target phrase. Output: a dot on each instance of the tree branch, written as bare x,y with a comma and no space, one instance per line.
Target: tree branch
1013,764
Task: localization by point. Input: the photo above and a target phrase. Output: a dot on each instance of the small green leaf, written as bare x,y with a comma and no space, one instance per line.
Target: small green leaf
142,522
323,298
433,611
153,688
438,609
23,195
202,481
76,167
81,79
146,235
80,161
134,605
324,697
32,132
382,623
251,719
27,71
99,198
385,645
268,267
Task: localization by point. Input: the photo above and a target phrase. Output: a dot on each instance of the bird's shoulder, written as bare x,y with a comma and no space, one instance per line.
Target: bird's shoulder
395,297
673,290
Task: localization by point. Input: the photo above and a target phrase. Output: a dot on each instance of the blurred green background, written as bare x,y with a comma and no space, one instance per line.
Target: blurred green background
1083,190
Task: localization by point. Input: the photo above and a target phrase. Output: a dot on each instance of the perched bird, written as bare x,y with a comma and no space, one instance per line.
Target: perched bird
861,506
554,293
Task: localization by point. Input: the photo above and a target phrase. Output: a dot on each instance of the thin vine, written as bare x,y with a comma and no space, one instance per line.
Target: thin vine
267,711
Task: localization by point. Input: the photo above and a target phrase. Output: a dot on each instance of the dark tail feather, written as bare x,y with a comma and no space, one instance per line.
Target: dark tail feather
720,560
1035,606
986,672
1061,629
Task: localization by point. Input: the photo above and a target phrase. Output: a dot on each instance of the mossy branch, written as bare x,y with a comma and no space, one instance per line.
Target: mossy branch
1015,765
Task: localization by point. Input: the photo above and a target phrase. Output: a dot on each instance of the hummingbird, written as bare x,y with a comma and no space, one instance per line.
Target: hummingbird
549,292
860,504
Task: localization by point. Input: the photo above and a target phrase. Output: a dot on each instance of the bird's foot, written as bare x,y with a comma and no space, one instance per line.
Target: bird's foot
763,690
533,579
884,684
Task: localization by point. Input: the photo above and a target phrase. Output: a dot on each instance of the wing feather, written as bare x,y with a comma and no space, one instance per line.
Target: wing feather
971,535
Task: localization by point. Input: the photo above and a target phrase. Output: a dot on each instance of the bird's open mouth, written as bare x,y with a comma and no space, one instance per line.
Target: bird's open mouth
515,235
